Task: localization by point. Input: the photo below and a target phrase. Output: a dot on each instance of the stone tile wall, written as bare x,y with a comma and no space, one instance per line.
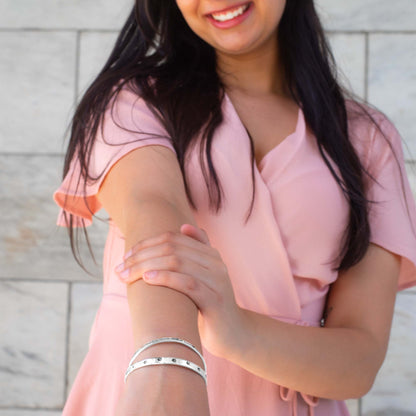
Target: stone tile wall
50,52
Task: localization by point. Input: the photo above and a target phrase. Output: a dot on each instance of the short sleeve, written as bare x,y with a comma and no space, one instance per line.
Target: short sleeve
392,215
127,125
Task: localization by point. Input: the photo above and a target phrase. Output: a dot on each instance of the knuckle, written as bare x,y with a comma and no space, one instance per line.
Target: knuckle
134,275
132,261
216,252
191,285
168,248
169,236
174,263
138,245
134,248
217,298
222,267
129,262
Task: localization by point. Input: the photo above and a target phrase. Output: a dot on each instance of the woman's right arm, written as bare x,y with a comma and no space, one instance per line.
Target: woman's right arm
145,196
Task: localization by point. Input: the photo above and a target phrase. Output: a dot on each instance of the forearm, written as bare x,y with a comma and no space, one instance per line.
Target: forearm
335,363
158,312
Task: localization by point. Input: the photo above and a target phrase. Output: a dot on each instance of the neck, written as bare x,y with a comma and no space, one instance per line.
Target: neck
255,73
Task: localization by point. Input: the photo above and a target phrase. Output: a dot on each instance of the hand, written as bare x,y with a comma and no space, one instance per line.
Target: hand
186,262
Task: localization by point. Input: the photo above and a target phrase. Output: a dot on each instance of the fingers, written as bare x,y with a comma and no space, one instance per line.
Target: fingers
147,257
195,289
169,236
170,251
195,232
162,258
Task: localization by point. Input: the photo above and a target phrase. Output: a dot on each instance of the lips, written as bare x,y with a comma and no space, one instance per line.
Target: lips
231,17
229,13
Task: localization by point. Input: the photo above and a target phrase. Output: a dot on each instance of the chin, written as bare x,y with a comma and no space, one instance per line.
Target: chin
235,48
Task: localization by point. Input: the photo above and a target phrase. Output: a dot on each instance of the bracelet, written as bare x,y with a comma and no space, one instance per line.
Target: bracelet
169,361
167,340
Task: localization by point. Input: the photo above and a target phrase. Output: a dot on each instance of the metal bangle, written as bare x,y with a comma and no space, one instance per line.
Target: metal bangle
167,340
166,361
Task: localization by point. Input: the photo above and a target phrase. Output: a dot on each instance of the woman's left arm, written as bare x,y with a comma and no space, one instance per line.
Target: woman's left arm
338,361
341,360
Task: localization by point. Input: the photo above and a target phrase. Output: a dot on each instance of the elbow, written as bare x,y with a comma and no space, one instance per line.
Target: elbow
367,365
361,379
352,387
368,377
362,386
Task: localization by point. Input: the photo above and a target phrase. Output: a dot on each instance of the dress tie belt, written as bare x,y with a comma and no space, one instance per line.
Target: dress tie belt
289,395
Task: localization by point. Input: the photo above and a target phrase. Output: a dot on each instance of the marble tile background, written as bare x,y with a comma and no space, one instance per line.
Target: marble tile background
50,52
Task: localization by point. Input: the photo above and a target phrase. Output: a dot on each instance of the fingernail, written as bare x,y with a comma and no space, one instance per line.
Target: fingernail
128,254
125,274
150,274
119,268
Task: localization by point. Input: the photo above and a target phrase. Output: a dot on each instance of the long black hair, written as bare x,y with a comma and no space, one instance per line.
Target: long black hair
169,66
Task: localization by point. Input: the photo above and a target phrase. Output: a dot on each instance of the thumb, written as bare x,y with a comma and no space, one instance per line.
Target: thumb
195,232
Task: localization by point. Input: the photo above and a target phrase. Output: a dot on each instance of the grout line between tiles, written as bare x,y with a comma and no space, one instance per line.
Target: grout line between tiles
57,30
67,339
77,67
35,280
375,32
43,409
32,154
116,30
366,65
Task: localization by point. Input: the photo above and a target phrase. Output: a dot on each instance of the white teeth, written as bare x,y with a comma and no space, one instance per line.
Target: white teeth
223,17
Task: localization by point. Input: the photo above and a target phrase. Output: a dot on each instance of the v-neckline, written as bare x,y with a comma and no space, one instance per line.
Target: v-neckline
299,131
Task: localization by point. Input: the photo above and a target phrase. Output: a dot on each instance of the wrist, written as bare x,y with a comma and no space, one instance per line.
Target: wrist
169,389
239,336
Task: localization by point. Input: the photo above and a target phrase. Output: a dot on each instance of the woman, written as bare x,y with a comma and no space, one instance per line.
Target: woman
245,194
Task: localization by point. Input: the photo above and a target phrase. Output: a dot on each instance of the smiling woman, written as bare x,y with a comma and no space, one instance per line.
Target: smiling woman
261,220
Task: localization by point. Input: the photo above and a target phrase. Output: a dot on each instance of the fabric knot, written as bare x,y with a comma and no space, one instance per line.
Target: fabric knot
289,395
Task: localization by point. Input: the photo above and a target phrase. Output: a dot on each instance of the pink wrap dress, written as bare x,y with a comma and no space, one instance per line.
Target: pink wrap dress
279,262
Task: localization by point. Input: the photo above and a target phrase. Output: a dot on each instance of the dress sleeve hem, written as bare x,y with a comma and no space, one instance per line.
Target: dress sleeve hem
407,274
83,204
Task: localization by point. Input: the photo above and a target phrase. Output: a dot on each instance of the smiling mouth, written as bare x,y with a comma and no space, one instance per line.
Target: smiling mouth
230,14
